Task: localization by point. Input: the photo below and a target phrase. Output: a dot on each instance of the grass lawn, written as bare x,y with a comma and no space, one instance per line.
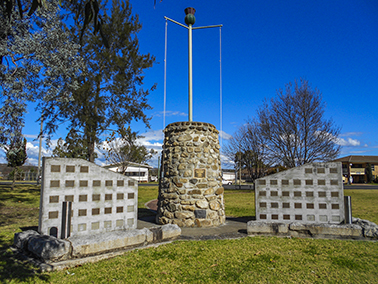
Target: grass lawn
248,260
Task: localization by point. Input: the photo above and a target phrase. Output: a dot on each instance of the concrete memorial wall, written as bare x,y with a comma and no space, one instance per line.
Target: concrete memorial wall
312,193
81,198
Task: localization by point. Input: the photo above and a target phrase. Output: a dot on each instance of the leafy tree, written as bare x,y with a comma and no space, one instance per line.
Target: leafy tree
84,11
88,11
110,93
246,149
37,61
72,147
125,149
369,173
16,155
294,128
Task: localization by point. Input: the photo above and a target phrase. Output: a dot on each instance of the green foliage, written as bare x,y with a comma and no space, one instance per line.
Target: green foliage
110,93
86,11
36,62
16,153
16,156
73,147
16,174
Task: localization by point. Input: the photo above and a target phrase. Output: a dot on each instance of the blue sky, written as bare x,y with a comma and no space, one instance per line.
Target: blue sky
265,45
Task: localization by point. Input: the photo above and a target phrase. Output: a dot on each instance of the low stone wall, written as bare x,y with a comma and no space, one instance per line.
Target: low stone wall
358,230
49,249
191,192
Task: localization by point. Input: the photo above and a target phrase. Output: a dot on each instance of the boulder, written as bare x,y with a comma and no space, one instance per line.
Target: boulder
49,248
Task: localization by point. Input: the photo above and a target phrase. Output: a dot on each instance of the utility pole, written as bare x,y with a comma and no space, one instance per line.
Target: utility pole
40,149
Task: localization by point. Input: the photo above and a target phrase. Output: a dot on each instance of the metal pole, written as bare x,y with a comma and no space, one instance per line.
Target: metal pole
190,20
240,171
190,67
40,148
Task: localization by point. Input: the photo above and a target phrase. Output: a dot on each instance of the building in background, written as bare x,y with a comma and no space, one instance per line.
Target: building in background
228,175
355,167
137,171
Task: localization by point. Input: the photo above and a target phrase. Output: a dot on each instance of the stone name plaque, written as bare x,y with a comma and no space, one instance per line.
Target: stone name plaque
199,173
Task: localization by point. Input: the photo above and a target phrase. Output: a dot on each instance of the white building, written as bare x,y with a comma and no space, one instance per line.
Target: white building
228,175
134,170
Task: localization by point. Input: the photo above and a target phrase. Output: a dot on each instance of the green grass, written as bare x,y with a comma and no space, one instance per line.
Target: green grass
364,204
145,194
240,203
248,260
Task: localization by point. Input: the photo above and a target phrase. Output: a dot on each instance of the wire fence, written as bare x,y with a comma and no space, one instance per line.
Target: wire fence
21,175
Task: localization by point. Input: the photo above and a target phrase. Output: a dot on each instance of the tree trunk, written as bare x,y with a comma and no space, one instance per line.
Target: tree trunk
14,177
91,151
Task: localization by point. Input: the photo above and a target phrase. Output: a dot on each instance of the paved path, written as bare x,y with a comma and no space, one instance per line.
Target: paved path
233,228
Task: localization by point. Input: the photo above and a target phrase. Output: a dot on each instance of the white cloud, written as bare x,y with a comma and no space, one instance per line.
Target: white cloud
152,135
226,162
358,152
32,151
351,134
224,135
348,142
151,140
170,113
31,136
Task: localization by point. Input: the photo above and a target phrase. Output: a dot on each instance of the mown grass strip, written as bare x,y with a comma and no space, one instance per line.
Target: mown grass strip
248,260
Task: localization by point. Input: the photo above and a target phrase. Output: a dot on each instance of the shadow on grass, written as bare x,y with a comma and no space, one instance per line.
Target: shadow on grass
26,194
11,215
12,267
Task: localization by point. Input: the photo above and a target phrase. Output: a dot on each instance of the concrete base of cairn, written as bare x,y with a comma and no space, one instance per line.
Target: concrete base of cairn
191,192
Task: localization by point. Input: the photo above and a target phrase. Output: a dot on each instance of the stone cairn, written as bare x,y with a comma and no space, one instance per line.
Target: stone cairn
190,191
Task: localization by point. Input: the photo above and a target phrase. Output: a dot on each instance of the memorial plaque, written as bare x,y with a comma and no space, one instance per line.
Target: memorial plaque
200,173
200,214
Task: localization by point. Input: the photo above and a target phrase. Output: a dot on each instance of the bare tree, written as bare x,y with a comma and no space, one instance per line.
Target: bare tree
246,149
294,128
125,149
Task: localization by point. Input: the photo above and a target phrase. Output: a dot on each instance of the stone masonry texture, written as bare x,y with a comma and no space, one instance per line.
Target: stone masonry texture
191,191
